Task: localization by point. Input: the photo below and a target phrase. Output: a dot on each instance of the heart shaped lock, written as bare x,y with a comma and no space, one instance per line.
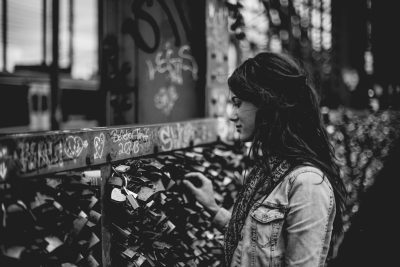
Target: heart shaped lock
117,195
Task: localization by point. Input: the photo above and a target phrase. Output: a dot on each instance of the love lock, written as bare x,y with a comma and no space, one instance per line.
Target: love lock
116,183
117,195
129,194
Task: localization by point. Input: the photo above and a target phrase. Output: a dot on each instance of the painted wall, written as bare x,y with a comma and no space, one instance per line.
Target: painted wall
167,38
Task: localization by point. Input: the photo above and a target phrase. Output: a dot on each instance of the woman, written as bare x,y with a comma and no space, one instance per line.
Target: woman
289,208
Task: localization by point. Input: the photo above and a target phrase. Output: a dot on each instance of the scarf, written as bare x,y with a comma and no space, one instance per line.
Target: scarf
259,183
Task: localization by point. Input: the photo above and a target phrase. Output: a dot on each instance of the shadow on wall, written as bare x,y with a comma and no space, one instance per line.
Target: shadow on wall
370,239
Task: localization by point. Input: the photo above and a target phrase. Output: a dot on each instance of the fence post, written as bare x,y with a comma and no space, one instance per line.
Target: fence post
105,232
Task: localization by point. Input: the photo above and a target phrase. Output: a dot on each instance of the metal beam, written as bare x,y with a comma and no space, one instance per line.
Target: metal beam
4,15
32,154
54,70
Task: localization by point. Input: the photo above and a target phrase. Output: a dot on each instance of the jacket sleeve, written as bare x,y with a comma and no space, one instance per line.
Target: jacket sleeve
310,203
222,218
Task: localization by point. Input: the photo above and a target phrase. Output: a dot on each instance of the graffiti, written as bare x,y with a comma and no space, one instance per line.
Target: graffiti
98,143
39,155
128,148
74,146
176,136
131,141
185,24
29,155
171,21
165,99
139,134
179,135
202,134
3,166
165,62
130,25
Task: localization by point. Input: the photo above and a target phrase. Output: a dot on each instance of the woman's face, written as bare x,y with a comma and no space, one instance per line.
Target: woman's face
244,117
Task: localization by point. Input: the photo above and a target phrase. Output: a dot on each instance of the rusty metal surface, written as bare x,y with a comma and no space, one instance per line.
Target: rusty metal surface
26,155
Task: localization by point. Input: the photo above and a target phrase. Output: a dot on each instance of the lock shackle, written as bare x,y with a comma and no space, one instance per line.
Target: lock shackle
124,181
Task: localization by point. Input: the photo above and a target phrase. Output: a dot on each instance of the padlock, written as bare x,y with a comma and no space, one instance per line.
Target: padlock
117,195
129,194
131,199
122,168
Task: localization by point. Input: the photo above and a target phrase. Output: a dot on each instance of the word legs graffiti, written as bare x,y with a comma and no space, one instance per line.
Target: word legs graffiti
166,62
173,66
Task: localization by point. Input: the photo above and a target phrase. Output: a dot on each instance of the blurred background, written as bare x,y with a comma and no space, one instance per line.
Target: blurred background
67,64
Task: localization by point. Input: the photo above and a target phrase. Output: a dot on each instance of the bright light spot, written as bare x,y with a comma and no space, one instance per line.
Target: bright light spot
330,129
326,4
275,44
316,18
378,89
326,22
284,35
275,17
326,40
369,62
374,103
350,78
296,32
370,93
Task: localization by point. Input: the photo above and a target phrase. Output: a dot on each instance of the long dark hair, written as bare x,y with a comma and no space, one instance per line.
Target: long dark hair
288,121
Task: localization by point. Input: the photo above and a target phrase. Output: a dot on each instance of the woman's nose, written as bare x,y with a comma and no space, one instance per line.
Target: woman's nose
232,112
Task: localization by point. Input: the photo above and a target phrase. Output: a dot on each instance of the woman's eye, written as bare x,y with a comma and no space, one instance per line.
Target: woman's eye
237,104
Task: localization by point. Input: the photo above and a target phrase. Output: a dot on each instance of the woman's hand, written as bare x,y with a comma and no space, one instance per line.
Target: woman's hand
203,192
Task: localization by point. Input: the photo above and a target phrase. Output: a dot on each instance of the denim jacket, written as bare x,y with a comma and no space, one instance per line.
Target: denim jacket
291,227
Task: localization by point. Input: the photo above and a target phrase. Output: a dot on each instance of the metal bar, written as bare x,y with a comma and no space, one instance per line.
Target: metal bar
4,35
54,77
32,154
44,31
105,220
102,30
71,33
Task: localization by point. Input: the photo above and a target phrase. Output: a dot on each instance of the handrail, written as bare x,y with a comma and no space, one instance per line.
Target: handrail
39,153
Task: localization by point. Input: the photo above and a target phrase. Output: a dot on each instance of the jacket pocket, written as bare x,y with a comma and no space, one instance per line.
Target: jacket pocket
267,223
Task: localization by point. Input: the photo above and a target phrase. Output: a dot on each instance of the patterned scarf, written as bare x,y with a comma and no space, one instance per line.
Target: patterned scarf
258,184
